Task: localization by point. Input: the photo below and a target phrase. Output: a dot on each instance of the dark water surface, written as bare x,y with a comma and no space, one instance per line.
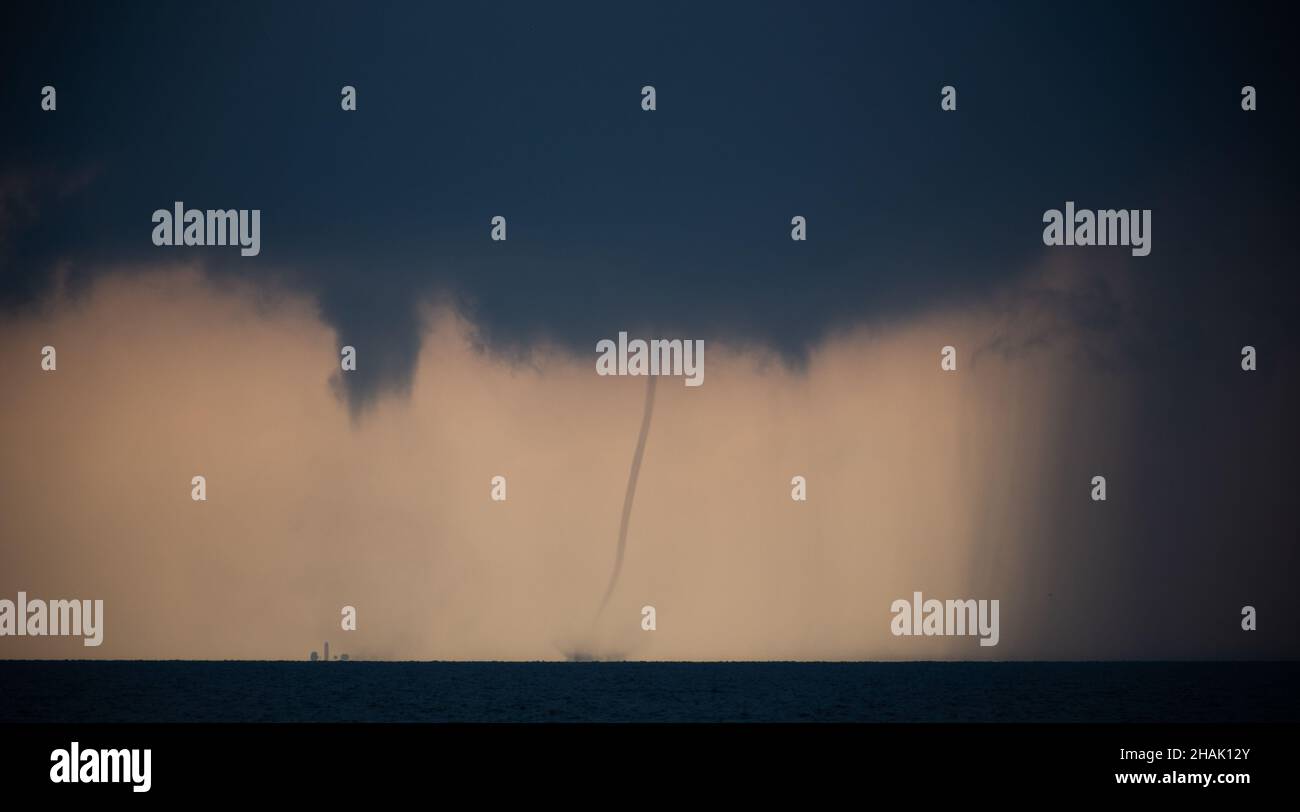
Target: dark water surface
142,691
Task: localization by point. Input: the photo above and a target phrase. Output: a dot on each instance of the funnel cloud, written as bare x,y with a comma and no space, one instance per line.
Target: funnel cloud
628,497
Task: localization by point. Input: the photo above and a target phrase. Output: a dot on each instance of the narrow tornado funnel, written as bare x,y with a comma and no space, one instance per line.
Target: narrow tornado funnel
630,494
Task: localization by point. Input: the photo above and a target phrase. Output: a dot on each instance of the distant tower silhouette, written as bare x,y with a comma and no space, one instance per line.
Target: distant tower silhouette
327,651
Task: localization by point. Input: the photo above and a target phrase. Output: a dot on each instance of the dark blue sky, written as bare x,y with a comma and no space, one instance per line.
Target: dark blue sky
675,220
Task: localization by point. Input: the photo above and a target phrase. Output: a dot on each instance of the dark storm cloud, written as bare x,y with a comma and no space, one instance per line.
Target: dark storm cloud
675,220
